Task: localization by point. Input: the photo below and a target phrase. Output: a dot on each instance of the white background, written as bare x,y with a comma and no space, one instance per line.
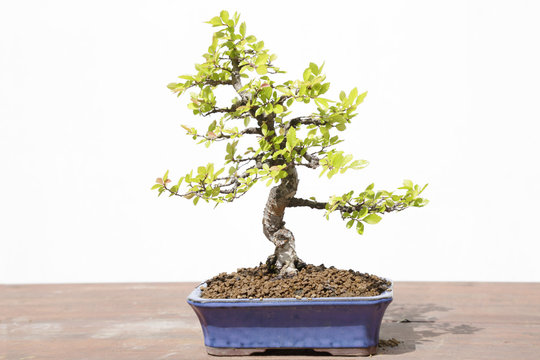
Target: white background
87,124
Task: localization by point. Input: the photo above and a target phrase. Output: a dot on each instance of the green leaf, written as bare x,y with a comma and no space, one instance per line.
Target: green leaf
363,212
156,186
307,73
353,94
324,88
341,127
251,39
243,29
261,70
360,228
372,219
219,172
350,223
291,138
262,59
215,21
266,93
408,184
321,103
360,98
284,90
210,169
224,15
332,173
314,68
258,46
359,164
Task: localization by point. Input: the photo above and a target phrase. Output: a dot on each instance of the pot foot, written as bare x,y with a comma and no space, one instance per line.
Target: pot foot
372,350
231,351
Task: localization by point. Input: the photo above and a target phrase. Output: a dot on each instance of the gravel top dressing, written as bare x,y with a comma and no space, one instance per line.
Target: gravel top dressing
310,282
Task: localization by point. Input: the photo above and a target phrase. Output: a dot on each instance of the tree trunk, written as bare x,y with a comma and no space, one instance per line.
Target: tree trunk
284,258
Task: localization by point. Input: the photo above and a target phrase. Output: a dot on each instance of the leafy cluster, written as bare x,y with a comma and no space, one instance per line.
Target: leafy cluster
365,207
261,110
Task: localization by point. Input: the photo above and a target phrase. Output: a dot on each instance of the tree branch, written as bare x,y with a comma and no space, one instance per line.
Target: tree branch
222,136
297,202
313,161
252,130
229,185
215,82
236,79
305,120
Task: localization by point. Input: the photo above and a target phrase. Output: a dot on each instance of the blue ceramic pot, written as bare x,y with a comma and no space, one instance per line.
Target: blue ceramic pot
348,323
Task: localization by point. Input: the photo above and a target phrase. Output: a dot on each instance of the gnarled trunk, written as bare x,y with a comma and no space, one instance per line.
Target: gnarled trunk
284,258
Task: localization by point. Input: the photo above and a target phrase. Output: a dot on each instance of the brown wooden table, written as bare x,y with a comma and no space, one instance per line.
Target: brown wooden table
153,321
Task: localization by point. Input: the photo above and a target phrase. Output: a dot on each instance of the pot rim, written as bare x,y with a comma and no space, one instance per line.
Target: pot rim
195,298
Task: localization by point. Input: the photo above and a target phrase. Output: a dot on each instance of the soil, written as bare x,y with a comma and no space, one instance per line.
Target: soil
310,282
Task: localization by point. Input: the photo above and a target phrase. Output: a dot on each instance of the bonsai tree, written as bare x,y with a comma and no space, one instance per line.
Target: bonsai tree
266,142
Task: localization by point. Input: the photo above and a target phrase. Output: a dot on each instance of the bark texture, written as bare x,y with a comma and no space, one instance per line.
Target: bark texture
284,257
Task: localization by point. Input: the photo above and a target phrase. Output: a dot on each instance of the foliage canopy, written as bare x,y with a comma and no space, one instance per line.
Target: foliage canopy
261,109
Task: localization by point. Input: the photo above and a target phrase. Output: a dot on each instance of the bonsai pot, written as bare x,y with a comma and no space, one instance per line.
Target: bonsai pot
337,325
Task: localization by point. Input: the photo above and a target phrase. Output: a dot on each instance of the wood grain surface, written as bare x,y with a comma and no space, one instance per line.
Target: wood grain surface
153,321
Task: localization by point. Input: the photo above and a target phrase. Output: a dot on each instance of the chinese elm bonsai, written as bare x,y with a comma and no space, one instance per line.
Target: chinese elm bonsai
267,142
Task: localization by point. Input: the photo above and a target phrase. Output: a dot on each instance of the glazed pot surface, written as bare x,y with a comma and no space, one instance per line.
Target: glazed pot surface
338,322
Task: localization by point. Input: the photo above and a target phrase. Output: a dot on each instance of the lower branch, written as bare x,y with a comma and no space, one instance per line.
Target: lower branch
297,202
